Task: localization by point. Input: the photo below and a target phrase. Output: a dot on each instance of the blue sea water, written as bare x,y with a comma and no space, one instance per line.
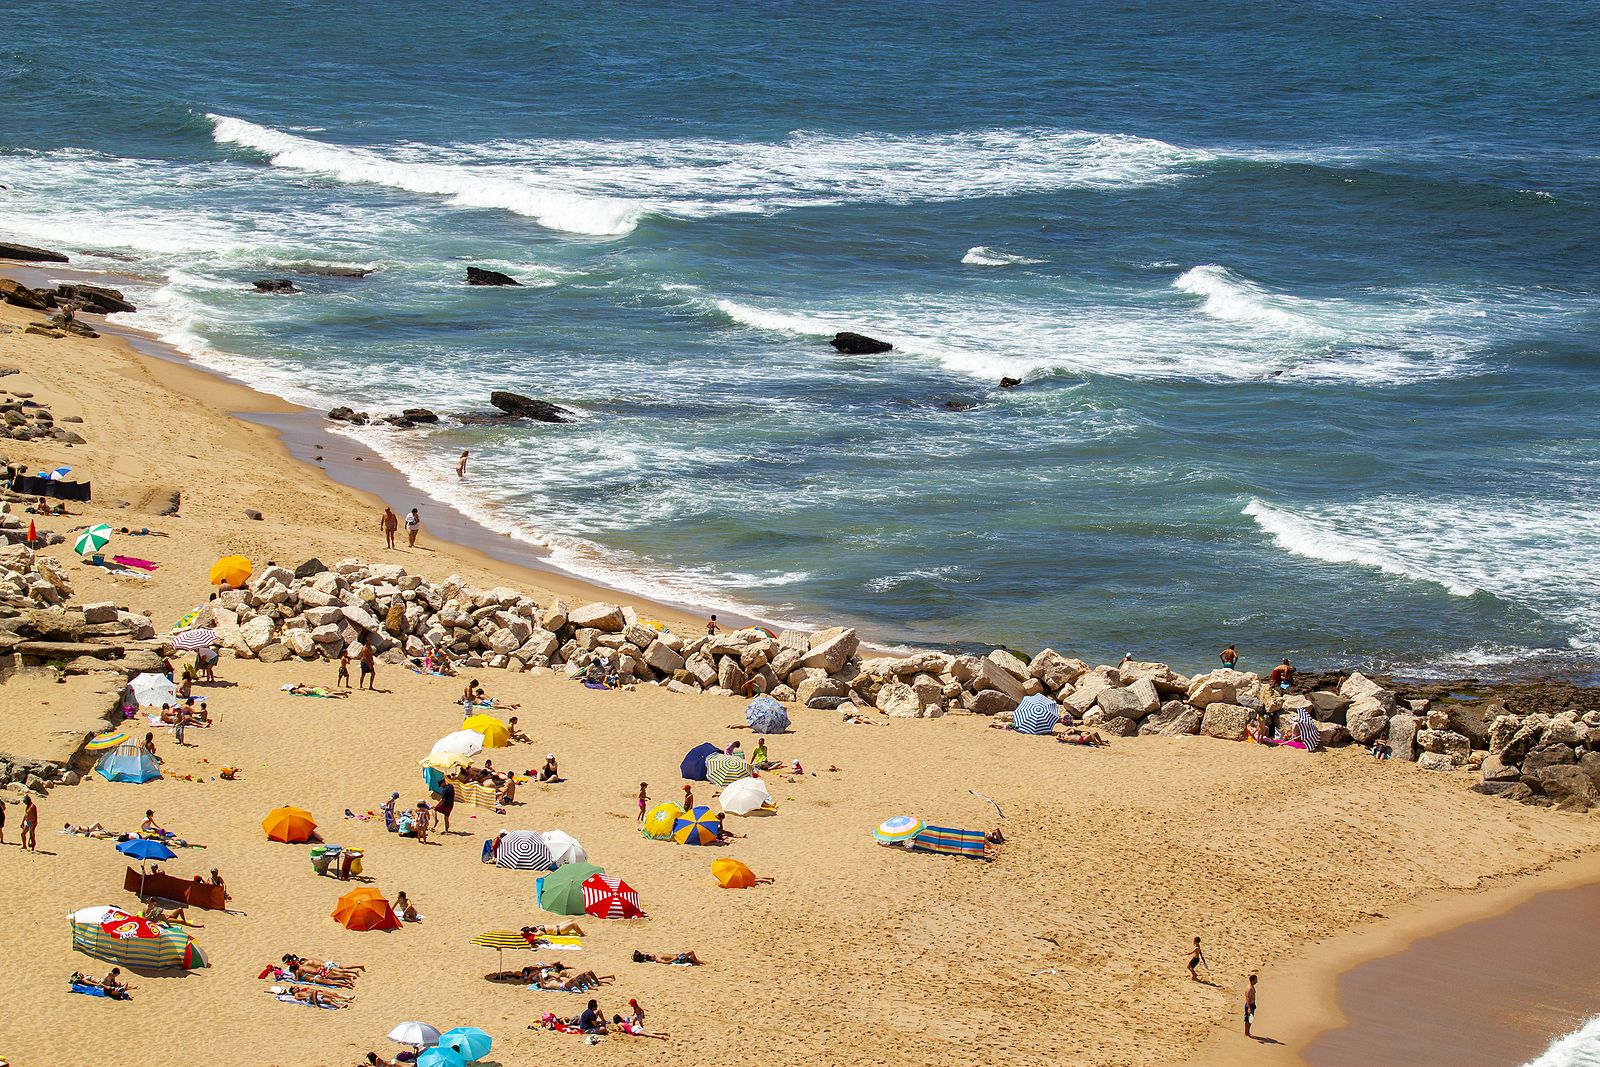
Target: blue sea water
1305,300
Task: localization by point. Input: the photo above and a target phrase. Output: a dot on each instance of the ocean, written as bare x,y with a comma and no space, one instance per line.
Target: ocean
1304,301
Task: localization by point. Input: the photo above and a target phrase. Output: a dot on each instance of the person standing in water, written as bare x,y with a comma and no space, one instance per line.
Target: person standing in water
413,524
461,465
1230,658
391,523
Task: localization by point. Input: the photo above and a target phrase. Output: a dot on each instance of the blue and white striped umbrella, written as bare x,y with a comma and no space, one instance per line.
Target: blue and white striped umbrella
1036,714
59,474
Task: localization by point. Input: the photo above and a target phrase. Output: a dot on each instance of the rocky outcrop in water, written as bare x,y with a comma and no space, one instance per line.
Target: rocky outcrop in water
528,408
275,285
331,272
484,276
27,253
95,299
857,344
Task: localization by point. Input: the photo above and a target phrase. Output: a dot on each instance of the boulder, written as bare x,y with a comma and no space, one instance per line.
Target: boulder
1448,742
484,276
989,702
1367,719
361,617
659,657
29,254
1328,706
607,618
546,644
13,292
1591,766
1171,720
310,568
1564,729
1495,771
1436,761
1086,691
1221,686
1359,685
1010,664
730,675
1548,755
1403,737
1471,721
990,675
256,634
420,415
1055,670
899,700
1132,702
821,692
1226,721
855,344
555,616
1526,737
350,415
95,299
103,611
525,407
1331,734
274,652
275,285
1120,726
301,642
1562,783
1007,382
831,649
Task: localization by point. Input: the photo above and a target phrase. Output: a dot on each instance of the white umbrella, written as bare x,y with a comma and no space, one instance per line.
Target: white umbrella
461,743
150,690
744,796
564,848
414,1034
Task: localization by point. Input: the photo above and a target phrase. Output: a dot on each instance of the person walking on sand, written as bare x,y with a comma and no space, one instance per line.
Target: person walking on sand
1230,658
1249,1005
391,523
644,798
461,465
711,626
369,668
344,668
413,524
30,824
1196,958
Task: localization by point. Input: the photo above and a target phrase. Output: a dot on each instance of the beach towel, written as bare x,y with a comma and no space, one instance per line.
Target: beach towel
595,685
561,943
477,794
91,990
948,842
131,561
429,674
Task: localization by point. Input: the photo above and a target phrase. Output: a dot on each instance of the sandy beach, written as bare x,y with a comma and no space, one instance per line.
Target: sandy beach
1068,948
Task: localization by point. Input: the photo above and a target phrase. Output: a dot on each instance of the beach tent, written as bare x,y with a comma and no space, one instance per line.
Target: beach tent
659,820
111,934
128,763
562,891
153,690
231,571
461,743
693,766
697,827
606,897
495,734
731,874
948,842
564,848
1036,714
524,850
365,909
744,796
289,825
766,716
721,769
468,1042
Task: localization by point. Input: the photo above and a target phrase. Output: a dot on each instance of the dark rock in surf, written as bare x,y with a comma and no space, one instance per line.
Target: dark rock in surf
528,408
420,415
96,299
399,422
484,418
959,405
332,272
482,276
344,414
29,253
1010,383
856,344
275,285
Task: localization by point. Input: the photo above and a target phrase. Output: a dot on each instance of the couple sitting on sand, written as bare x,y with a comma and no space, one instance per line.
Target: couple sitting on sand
474,697
111,985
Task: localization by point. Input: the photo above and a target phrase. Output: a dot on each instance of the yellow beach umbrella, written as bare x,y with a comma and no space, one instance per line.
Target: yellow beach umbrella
232,571
731,874
110,739
659,821
495,734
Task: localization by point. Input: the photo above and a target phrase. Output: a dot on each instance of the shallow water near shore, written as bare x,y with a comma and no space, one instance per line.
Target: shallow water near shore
1305,317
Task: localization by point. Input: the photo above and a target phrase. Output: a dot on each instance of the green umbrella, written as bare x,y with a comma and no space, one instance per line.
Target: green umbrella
563,889
92,540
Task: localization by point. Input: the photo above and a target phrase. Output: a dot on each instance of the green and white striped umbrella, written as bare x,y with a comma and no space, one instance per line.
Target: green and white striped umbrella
93,539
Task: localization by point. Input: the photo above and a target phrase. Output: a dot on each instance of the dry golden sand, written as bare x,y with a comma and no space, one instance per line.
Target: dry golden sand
859,954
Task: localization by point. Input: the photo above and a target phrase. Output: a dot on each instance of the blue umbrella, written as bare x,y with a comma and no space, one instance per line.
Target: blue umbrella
766,716
694,763
467,1041
440,1057
143,849
1036,714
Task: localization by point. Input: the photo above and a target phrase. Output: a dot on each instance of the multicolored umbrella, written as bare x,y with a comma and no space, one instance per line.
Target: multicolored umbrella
731,874
723,769
365,909
495,734
58,475
193,639
500,940
766,716
289,825
468,1042
661,820
698,827
186,620
109,739
900,828
607,897
232,571
762,630
1036,714
111,934
92,540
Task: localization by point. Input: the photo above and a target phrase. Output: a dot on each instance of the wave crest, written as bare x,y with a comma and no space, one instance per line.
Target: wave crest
983,256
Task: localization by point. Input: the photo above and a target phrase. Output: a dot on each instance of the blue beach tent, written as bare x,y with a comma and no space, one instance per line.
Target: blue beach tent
128,763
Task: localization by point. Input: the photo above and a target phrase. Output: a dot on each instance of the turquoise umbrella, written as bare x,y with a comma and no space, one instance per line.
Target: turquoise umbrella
468,1042
440,1057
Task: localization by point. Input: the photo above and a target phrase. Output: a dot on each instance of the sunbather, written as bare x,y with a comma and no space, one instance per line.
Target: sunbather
576,983
405,909
113,983
94,829
525,976
633,1024
176,917
683,959
561,929
351,971
1081,737
80,979
318,998
514,733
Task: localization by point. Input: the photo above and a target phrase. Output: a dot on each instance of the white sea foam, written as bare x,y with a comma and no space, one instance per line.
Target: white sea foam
1581,1048
466,186
1318,540
983,256
1234,299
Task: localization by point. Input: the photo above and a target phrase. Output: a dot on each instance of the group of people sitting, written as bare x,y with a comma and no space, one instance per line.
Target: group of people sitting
592,1022
473,696
111,985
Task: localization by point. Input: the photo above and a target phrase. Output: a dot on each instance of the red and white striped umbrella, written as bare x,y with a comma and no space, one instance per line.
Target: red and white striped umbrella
193,639
606,897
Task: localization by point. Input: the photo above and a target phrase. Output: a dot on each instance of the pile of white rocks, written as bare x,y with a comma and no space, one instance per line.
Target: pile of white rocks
30,581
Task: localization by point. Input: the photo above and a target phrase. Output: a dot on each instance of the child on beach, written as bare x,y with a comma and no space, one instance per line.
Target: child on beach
1249,1005
711,626
644,799
344,668
1196,958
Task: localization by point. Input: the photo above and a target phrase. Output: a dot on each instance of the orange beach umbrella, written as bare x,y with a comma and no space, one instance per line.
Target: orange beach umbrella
365,909
289,825
231,571
731,874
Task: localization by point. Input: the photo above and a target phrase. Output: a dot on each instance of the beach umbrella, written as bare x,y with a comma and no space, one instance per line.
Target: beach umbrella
494,732
187,619
460,743
111,934
693,765
563,891
722,769
564,848
232,571
900,828
468,1042
524,850
365,909
500,940
143,849
289,825
766,716
440,1057
660,820
109,739
193,639
92,540
414,1034
608,897
128,763
58,475
698,827
762,630
745,796
1036,714
731,874
152,690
